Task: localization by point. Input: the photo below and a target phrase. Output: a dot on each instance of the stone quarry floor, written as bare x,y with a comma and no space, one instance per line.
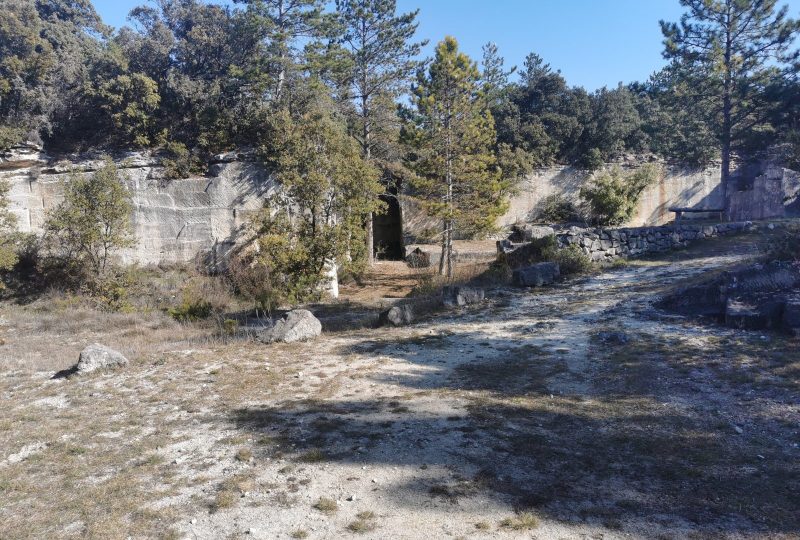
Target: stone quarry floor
571,412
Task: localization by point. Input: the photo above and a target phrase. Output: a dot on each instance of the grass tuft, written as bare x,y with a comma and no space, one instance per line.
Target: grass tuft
326,505
521,522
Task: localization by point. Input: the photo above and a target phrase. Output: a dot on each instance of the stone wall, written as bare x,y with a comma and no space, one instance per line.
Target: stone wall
173,220
608,244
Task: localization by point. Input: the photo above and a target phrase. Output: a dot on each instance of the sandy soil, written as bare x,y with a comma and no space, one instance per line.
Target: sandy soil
516,419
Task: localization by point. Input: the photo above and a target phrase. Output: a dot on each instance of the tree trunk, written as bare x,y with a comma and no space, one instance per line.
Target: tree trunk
367,135
725,172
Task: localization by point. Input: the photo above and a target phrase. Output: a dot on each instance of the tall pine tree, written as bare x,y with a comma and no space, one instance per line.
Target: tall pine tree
453,135
732,48
383,60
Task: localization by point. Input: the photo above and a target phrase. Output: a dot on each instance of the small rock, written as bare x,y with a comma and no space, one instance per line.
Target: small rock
738,430
615,338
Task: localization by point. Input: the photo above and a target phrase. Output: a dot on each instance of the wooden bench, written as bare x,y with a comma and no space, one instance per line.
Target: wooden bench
680,211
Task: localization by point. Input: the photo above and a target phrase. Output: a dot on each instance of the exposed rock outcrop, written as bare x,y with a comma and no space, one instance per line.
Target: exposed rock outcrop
453,296
762,296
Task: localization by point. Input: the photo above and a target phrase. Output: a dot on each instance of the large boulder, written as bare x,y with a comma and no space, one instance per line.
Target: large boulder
536,275
397,316
453,296
296,325
97,356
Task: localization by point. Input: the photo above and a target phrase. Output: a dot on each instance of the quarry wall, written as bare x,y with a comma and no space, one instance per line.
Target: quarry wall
174,220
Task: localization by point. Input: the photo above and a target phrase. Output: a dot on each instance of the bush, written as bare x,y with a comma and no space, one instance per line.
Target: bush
251,278
614,195
201,298
92,223
558,209
571,260
179,161
785,246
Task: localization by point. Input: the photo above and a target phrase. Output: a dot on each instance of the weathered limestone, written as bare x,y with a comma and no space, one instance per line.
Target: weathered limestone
536,275
397,316
296,325
96,356
453,296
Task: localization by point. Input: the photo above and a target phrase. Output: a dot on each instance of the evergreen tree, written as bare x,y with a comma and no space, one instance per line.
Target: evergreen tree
383,60
453,135
732,48
327,191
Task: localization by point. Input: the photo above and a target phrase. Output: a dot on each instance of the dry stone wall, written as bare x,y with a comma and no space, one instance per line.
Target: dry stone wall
608,244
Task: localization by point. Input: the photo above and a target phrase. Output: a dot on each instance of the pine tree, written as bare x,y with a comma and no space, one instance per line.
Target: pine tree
383,61
732,48
453,135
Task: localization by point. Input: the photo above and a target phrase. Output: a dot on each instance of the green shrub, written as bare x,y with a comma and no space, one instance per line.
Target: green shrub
558,209
90,225
201,298
571,260
178,161
613,195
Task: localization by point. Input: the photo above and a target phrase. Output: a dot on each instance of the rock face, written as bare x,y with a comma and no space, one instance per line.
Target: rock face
97,356
536,275
453,296
296,325
397,316
760,297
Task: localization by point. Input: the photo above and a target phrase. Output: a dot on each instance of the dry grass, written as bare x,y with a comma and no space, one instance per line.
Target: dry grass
364,522
523,521
326,506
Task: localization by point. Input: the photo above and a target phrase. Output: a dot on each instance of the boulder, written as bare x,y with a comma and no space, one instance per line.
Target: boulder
397,316
418,259
461,296
296,325
97,356
536,275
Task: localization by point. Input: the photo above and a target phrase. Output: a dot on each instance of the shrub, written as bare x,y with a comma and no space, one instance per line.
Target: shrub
785,246
201,298
571,260
614,195
9,238
92,222
558,209
178,161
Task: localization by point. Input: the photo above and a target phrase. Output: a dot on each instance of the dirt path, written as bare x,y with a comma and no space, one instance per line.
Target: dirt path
571,412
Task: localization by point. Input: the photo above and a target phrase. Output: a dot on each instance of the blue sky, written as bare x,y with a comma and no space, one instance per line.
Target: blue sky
593,43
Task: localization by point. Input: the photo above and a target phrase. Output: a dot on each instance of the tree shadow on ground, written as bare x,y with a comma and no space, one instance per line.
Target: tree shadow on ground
629,449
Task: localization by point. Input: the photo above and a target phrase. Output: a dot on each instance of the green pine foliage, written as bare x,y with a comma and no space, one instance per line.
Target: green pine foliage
452,136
